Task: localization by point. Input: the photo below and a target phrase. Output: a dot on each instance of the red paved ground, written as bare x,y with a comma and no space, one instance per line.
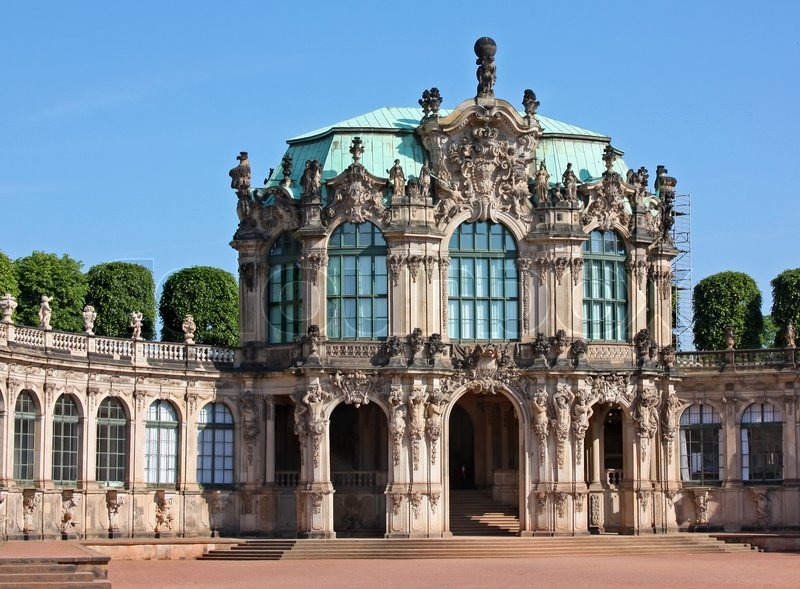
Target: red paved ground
751,570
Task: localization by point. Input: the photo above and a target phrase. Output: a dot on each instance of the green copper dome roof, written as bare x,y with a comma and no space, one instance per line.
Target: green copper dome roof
388,134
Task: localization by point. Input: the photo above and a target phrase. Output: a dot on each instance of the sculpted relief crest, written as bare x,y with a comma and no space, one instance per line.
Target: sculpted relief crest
480,157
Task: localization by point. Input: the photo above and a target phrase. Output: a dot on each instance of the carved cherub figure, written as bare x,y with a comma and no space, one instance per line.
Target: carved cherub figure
45,312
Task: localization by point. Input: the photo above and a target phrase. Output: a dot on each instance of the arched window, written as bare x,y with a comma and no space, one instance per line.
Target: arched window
605,287
112,443
701,460
66,424
358,305
284,291
215,445
161,444
24,437
762,443
483,283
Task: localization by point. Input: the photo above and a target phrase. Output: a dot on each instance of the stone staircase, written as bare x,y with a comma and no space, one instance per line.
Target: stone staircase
474,513
473,547
47,574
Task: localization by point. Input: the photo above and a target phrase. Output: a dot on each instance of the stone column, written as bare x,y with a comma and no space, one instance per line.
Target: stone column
315,490
252,276
269,459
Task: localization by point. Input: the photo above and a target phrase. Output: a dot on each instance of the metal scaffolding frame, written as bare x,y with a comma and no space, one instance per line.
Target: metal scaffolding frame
682,273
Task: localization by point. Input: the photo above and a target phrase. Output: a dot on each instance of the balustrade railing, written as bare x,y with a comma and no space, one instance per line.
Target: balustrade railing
287,478
136,351
740,358
613,477
355,478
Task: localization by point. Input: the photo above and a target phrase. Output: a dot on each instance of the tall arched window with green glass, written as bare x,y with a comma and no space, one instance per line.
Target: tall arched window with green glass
358,284
24,437
605,287
483,283
284,299
66,436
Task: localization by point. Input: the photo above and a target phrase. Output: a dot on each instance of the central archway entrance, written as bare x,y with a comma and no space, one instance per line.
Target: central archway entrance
483,466
606,465
358,442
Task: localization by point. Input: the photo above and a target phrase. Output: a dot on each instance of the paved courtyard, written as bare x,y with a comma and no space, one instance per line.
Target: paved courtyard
750,570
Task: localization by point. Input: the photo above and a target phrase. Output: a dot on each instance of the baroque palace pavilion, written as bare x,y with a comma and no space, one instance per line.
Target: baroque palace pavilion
434,303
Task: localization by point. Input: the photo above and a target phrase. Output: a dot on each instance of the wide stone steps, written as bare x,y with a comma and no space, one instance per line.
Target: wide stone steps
17,575
473,547
473,513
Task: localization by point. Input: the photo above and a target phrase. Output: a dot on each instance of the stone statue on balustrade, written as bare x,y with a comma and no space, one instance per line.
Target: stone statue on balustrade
89,317
189,329
45,312
136,325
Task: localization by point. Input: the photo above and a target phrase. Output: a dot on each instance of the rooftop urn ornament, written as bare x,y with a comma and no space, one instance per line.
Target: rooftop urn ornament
189,329
485,48
8,304
730,337
529,102
430,102
357,149
45,312
89,317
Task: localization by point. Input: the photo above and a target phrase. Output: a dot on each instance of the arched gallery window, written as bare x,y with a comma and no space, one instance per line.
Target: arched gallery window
605,287
24,437
358,304
483,283
701,461
161,443
112,443
284,291
66,424
762,443
215,445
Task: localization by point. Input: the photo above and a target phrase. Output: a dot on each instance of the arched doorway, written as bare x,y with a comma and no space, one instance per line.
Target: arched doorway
358,455
606,468
462,450
483,466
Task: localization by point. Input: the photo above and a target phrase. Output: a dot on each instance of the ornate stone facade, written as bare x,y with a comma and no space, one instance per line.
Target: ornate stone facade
371,434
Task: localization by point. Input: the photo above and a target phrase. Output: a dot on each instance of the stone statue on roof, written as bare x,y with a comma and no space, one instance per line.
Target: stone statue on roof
397,178
485,48
311,181
542,183
529,102
570,182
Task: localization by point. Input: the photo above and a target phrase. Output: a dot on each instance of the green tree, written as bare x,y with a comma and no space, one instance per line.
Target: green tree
727,298
785,302
116,289
770,332
61,278
211,296
8,277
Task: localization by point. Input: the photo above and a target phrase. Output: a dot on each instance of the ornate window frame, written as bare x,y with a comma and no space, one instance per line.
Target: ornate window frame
66,441
111,447
283,299
606,296
358,283
162,443
702,462
483,283
25,418
761,440
215,445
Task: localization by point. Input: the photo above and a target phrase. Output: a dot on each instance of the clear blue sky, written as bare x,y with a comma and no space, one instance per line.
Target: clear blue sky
120,121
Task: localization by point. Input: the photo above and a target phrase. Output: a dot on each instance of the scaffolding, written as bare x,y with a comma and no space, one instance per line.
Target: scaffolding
682,274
